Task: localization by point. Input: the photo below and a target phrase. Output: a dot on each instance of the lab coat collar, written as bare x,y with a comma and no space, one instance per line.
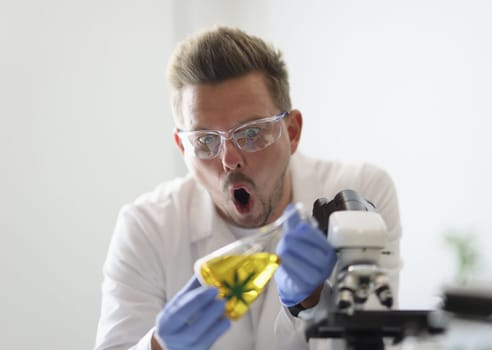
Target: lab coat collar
306,185
205,221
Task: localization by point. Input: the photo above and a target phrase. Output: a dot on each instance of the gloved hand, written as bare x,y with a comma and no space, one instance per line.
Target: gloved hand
306,260
193,319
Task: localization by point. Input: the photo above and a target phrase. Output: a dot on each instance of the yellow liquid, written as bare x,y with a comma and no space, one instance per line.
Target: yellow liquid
240,278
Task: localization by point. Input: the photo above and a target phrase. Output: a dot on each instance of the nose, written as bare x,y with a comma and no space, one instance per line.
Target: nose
231,156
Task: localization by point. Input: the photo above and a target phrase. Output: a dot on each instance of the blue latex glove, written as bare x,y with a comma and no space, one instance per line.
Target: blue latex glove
193,319
307,260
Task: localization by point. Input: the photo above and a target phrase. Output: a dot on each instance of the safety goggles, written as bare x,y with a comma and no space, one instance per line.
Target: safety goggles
252,136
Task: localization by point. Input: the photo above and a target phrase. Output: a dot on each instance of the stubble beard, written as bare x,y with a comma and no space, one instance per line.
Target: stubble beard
274,202
270,204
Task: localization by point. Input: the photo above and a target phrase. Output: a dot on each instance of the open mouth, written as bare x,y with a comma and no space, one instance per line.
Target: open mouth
242,200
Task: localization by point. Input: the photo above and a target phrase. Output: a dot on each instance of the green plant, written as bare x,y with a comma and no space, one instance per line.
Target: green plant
464,246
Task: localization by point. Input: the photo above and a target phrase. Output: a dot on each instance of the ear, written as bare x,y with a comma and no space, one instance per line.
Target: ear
294,129
177,141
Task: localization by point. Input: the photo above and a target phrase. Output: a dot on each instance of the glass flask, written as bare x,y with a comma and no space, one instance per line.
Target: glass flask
241,270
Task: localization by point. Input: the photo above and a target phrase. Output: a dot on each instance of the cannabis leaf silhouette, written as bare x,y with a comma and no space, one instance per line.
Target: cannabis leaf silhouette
238,288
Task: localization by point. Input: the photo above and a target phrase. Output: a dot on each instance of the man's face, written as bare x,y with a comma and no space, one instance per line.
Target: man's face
249,189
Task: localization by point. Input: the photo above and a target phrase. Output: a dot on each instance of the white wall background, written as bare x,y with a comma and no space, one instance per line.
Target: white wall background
85,126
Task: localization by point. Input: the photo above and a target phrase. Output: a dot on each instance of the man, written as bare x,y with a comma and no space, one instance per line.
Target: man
238,136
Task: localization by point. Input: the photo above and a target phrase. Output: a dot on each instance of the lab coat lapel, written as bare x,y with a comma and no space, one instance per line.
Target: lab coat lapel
208,231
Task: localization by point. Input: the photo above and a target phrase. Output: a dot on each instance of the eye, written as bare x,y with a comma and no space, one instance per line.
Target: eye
251,132
207,139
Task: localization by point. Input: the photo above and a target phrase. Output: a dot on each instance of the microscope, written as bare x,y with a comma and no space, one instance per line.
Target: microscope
359,235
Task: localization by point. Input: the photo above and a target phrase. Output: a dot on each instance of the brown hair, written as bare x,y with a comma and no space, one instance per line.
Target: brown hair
223,53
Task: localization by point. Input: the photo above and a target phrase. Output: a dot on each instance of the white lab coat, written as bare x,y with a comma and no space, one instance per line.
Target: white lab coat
159,236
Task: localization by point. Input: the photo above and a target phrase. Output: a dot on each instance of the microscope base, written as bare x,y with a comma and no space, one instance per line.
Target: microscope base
366,329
